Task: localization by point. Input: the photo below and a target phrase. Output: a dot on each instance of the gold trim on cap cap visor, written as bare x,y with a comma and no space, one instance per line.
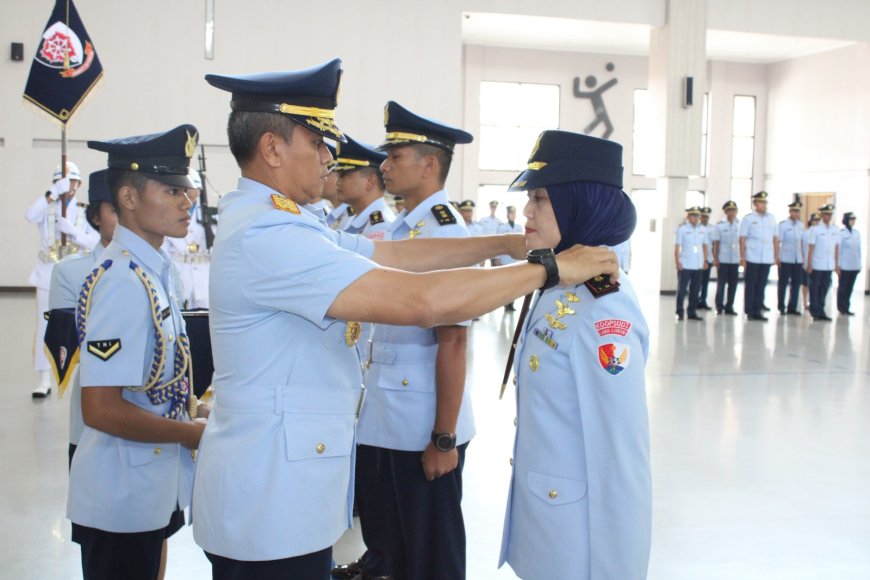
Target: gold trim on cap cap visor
400,136
349,161
288,109
537,165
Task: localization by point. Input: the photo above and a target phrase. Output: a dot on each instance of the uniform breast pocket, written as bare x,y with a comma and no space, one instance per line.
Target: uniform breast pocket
146,453
556,491
401,378
313,437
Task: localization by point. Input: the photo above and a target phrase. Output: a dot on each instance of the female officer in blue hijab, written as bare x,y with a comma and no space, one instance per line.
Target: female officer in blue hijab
580,500
850,263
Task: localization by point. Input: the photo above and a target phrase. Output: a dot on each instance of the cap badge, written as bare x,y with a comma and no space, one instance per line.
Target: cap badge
190,145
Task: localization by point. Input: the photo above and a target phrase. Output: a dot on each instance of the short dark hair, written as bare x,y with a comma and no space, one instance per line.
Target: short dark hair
245,128
118,178
92,213
443,156
377,172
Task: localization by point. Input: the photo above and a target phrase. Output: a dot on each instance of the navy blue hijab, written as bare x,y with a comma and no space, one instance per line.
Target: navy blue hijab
592,214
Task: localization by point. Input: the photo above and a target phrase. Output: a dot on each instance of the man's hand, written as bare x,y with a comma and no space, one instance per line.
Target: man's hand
809,269
203,410
580,263
437,463
705,265
743,262
518,246
716,263
58,188
196,427
679,266
66,226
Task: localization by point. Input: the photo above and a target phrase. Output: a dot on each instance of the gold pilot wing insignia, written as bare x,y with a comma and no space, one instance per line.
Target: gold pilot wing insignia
556,323
285,204
190,145
563,309
572,297
104,349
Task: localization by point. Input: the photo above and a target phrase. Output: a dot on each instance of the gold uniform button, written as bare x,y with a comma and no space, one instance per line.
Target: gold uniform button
157,451
404,382
553,494
511,461
534,363
171,337
125,253
515,421
320,448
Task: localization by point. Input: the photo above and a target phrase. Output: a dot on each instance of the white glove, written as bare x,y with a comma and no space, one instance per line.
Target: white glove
58,188
66,226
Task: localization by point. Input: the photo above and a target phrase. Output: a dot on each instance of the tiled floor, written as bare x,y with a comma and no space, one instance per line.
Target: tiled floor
760,438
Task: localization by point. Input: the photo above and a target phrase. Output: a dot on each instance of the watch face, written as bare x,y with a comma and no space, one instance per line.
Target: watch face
445,442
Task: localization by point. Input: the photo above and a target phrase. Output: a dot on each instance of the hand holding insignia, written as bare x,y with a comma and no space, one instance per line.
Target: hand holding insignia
580,263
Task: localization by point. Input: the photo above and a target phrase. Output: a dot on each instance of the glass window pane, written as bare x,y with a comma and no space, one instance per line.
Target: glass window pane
741,189
741,157
744,116
487,193
538,106
497,103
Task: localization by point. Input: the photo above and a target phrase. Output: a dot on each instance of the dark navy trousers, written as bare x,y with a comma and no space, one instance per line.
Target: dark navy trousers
727,275
820,283
789,274
755,282
688,283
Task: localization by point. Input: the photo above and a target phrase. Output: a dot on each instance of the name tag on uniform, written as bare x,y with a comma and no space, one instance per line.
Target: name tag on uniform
165,313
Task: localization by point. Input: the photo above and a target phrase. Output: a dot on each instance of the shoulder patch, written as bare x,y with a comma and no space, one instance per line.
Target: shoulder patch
285,204
376,217
350,211
104,349
601,286
442,215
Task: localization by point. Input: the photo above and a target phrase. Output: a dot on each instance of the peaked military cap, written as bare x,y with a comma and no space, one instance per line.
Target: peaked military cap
730,204
795,205
493,203
98,187
760,196
466,204
706,210
164,157
827,208
309,96
815,217
406,128
563,157
355,155
694,210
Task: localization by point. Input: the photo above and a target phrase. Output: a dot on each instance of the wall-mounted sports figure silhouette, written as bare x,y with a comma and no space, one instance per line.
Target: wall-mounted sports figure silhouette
595,97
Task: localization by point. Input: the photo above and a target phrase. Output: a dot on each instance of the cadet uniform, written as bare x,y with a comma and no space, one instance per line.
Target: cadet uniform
124,495
759,229
339,217
490,223
474,228
192,255
508,228
423,518
376,218
692,243
580,499
850,263
273,489
46,213
822,240
790,233
727,234
708,257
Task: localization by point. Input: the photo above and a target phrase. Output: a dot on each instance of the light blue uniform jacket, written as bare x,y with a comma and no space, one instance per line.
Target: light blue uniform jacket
275,471
791,234
850,250
400,404
728,236
824,238
580,502
118,485
691,241
759,231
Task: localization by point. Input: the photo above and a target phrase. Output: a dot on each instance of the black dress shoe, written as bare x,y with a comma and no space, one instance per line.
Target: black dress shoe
847,313
703,307
782,311
679,316
757,317
730,312
695,317
347,571
793,312
719,311
765,308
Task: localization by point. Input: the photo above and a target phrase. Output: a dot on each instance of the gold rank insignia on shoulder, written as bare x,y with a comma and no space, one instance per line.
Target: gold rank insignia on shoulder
601,286
413,234
376,217
104,349
285,204
353,333
563,310
442,215
556,323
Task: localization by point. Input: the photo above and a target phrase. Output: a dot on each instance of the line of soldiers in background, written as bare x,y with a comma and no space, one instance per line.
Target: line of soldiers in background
806,256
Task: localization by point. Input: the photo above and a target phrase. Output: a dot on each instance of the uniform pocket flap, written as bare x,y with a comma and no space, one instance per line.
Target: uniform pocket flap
419,378
314,437
556,490
144,453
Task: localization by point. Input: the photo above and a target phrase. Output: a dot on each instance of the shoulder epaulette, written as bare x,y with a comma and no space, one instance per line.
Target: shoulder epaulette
350,211
376,217
285,204
601,286
443,215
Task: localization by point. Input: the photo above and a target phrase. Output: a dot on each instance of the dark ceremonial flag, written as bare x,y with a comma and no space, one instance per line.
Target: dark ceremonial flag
62,345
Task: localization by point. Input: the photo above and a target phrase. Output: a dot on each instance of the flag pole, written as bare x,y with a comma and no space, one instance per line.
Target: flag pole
63,142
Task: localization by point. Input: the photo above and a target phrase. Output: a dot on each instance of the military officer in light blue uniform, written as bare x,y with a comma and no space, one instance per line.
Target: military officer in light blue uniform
133,468
706,212
66,283
466,208
690,249
726,258
580,500
791,258
822,259
813,220
850,263
361,186
759,249
273,487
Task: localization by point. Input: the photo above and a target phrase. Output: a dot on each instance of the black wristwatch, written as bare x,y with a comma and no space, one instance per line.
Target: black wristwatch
546,258
444,441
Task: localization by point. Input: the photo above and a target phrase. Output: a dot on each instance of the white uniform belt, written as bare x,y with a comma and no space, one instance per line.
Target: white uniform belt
310,399
402,353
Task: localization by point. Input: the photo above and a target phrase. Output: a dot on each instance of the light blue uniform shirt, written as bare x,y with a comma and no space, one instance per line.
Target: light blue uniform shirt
339,217
708,239
275,468
806,247
759,231
824,239
580,500
118,485
850,250
372,227
728,236
474,229
791,234
400,404
691,240
490,225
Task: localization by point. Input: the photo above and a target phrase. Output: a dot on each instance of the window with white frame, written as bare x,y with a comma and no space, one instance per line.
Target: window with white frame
512,115
742,147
